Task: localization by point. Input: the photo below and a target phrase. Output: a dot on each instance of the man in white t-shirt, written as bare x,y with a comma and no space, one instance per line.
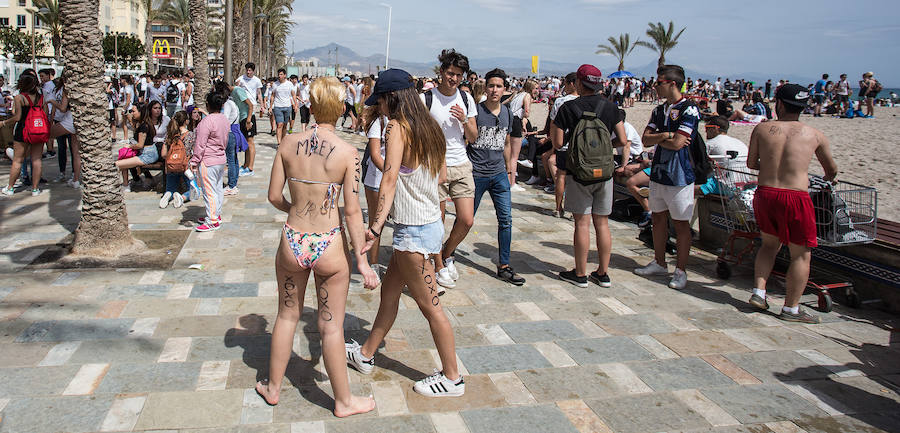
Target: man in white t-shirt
455,112
295,102
303,101
252,84
718,145
282,100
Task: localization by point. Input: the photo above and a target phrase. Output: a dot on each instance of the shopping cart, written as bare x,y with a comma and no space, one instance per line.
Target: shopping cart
846,214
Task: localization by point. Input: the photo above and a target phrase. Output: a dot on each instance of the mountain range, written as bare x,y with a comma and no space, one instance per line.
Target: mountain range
514,66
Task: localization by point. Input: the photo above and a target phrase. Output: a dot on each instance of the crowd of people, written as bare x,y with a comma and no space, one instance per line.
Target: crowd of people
448,140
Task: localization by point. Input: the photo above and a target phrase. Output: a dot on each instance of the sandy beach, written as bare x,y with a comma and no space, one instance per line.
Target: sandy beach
875,162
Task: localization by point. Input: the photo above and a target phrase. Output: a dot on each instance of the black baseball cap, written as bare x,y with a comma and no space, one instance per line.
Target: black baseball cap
793,94
389,81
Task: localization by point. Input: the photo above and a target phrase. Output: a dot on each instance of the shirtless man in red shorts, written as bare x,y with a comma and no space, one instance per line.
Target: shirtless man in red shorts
782,150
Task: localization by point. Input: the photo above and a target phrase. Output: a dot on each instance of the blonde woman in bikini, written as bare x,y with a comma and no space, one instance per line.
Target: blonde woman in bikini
317,167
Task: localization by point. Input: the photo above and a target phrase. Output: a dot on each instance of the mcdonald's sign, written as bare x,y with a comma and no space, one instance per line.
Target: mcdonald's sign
161,49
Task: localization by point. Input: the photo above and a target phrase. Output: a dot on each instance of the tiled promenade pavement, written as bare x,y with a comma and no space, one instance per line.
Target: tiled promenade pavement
180,349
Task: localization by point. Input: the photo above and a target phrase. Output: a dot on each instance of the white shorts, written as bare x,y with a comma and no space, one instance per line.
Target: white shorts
678,200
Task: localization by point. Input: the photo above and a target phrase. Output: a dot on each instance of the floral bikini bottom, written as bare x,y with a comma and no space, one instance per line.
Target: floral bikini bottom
308,247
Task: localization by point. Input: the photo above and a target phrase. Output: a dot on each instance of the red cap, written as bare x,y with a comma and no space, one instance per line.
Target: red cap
589,76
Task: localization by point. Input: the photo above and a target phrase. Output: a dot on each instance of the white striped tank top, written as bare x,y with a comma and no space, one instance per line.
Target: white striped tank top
416,200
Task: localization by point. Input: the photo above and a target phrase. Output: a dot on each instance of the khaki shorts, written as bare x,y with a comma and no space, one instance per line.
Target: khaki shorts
460,183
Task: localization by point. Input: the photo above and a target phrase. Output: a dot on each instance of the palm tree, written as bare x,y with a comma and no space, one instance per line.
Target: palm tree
177,13
199,49
242,19
151,8
619,48
50,21
278,14
664,39
103,230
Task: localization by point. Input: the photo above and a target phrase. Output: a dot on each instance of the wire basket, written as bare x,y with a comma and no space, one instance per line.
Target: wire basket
735,184
846,213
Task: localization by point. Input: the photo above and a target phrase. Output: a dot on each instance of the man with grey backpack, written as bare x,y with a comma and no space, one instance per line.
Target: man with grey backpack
586,124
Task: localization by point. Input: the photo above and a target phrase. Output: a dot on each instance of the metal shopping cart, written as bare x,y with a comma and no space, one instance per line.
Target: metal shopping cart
846,214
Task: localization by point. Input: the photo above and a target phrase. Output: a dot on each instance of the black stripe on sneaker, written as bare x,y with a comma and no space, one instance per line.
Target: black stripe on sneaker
433,389
443,388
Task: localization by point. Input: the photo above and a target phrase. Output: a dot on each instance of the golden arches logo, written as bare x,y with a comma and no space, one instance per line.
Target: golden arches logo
161,49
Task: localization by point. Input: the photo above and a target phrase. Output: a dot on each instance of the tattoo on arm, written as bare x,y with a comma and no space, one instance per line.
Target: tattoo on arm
356,176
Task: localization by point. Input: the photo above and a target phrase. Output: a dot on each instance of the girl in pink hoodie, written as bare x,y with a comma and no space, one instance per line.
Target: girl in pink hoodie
209,159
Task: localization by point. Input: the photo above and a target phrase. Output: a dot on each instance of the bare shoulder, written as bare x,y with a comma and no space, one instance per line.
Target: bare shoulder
768,129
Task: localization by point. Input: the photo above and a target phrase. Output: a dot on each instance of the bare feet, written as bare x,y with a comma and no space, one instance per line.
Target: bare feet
357,405
270,396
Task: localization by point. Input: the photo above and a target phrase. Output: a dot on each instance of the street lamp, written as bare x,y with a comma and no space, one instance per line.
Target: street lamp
229,39
42,11
387,50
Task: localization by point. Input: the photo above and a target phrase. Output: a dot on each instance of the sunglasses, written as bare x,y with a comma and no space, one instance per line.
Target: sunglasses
712,127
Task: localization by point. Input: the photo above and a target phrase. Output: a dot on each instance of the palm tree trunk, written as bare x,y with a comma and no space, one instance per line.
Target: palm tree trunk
662,59
56,41
103,230
239,55
199,47
148,45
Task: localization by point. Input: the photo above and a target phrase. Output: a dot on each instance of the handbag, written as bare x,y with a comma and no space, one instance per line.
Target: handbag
126,152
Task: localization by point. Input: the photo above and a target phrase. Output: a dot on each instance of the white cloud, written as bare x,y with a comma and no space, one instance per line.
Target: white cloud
497,5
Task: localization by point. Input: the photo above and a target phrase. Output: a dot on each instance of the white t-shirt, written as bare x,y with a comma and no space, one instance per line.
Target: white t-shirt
721,144
48,87
373,174
632,137
252,85
303,94
160,136
452,127
718,86
359,88
517,105
231,111
182,86
282,94
556,104
128,92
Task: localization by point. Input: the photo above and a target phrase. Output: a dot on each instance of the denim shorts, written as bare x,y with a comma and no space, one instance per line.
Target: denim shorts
282,114
425,239
149,155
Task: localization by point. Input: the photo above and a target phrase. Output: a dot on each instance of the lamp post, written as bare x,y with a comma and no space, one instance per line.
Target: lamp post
259,54
387,50
41,11
229,40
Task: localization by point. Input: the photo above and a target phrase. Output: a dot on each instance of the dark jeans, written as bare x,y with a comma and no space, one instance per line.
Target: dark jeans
173,181
498,187
535,150
231,159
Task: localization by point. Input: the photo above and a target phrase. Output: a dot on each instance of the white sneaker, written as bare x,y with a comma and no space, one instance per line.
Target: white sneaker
532,180
679,280
526,163
438,385
356,360
74,184
35,192
7,191
126,188
450,263
444,279
10,152
164,201
652,269
61,177
516,188
178,200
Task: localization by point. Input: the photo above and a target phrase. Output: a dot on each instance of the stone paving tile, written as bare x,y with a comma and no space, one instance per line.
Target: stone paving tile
38,381
163,308
491,313
75,330
463,336
55,414
568,383
682,373
24,354
647,412
575,310
198,326
762,403
524,419
150,377
165,410
130,292
604,350
873,360
548,330
857,394
634,324
225,290
495,359
695,343
868,423
524,293
308,403
717,319
114,351
394,424
778,366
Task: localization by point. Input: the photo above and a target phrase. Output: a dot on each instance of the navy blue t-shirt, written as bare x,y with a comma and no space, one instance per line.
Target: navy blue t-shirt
674,167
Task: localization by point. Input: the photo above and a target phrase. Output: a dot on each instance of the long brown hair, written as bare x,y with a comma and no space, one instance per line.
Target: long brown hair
173,131
420,131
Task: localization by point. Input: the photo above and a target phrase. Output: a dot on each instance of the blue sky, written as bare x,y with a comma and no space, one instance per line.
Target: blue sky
801,37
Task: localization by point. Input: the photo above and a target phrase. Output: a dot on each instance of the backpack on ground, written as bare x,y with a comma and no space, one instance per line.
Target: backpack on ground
429,97
177,160
172,94
590,156
37,126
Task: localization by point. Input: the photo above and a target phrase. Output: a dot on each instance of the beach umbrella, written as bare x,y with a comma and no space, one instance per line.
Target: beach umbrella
621,74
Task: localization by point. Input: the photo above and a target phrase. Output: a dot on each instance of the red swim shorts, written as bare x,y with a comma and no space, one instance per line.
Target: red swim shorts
787,214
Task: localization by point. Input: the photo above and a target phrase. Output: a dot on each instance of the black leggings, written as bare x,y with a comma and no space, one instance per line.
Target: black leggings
534,154
61,155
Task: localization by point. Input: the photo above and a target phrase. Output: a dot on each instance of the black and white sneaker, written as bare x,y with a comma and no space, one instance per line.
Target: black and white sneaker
574,279
600,280
438,385
509,275
356,359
